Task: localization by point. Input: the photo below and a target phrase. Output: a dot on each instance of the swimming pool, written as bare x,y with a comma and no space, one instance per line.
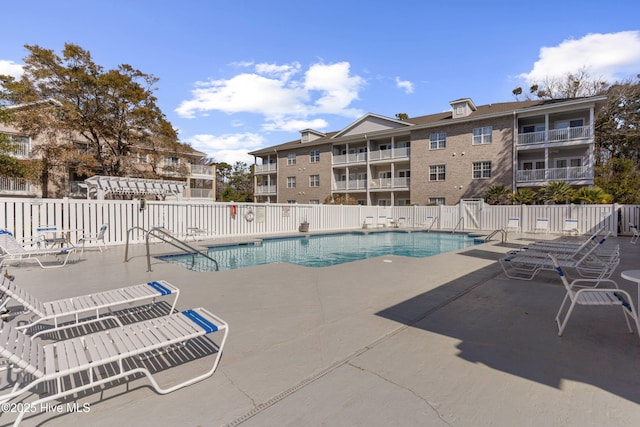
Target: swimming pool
325,250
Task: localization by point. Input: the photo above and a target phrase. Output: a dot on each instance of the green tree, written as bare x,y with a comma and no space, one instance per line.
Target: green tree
617,146
592,195
239,185
524,196
72,98
621,178
556,192
498,194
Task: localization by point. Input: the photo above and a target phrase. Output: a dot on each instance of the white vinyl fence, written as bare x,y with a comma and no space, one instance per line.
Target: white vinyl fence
23,216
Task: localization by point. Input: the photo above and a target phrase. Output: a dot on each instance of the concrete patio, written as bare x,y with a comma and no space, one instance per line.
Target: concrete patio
390,341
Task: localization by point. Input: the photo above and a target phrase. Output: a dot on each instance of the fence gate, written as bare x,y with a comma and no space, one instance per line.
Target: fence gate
471,212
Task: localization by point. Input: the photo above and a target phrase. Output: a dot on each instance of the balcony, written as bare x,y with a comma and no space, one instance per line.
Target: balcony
202,171
373,156
266,168
350,185
555,135
266,190
353,158
16,186
373,184
199,193
577,173
394,154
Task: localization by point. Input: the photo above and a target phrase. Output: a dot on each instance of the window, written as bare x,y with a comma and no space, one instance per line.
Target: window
291,159
481,170
437,141
314,156
143,158
533,128
384,202
384,147
171,161
576,162
291,182
436,200
314,181
482,135
437,173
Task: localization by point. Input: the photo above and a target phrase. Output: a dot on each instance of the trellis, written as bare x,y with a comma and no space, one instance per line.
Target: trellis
100,187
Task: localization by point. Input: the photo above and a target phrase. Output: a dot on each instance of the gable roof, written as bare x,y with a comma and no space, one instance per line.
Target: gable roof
370,123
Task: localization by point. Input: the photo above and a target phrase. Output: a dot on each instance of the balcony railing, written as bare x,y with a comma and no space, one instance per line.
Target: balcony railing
15,186
555,174
555,135
395,154
266,168
350,158
266,189
199,193
352,184
201,170
373,184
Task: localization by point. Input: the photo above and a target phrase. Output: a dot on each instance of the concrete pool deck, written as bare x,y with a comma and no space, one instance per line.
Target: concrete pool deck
445,340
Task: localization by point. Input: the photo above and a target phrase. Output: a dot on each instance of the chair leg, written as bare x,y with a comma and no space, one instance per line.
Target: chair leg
562,325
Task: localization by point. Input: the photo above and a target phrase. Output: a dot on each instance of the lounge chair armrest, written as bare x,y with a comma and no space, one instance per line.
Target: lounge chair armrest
593,283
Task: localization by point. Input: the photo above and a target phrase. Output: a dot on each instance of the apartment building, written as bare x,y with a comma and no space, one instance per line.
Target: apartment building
183,164
435,159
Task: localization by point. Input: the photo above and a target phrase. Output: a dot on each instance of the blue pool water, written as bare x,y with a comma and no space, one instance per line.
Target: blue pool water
325,250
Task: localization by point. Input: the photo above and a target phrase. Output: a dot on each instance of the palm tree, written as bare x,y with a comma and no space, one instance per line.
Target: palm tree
556,192
498,194
525,196
593,195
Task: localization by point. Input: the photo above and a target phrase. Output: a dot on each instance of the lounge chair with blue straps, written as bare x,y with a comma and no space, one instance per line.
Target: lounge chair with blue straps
70,312
589,292
11,250
95,360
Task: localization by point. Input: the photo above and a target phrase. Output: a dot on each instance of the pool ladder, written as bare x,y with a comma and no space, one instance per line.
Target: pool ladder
165,236
494,232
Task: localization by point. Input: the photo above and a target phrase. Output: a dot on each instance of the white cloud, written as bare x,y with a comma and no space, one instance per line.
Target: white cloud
609,57
404,84
11,68
294,125
228,148
273,92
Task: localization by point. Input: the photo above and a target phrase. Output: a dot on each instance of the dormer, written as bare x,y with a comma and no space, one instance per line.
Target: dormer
309,135
462,107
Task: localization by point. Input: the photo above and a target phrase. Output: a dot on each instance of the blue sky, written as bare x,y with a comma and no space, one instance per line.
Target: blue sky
239,75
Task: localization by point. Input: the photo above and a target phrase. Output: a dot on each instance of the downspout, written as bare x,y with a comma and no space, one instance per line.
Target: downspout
514,152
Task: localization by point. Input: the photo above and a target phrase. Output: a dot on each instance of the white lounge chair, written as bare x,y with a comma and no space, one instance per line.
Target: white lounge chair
368,222
570,226
12,250
585,292
542,225
565,249
636,233
525,265
70,312
513,224
95,237
89,361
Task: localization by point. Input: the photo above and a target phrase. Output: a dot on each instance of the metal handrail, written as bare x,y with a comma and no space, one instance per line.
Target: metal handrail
461,220
432,223
494,232
169,239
